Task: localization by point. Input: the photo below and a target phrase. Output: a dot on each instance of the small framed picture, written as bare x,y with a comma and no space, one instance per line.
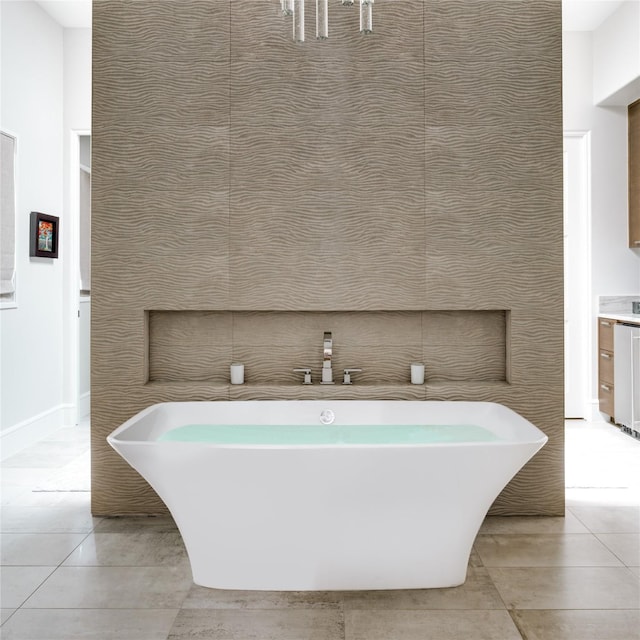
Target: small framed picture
44,235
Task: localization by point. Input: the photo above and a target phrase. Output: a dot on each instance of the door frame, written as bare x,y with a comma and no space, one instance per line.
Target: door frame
578,304
73,273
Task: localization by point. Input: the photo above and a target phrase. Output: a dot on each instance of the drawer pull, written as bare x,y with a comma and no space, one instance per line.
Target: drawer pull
605,355
605,387
636,242
605,323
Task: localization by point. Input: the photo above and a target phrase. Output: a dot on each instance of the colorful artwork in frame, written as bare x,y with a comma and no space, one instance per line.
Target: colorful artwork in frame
44,235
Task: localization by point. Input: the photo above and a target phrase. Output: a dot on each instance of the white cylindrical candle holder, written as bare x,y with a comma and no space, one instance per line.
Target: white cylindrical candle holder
237,373
417,373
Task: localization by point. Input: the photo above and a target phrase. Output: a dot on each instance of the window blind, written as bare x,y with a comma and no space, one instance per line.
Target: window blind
7,215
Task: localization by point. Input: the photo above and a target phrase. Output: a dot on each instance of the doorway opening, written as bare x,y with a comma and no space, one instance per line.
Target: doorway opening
80,209
577,277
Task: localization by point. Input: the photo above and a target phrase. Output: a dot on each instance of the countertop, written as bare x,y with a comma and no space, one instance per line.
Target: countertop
633,318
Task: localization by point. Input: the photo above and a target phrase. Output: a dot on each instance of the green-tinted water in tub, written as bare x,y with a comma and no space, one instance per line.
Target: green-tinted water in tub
248,434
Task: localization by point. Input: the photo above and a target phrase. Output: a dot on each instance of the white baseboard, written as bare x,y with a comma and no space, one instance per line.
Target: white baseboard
28,432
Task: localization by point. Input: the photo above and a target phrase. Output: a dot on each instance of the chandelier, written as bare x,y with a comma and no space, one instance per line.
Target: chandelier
295,9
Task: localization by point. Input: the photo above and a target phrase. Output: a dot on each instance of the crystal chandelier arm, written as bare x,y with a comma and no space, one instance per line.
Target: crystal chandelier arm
366,16
322,19
298,20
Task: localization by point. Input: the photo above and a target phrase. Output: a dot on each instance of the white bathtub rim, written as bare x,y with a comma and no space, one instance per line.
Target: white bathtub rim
530,435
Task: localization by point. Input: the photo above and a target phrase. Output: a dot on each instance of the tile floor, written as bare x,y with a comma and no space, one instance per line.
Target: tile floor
66,575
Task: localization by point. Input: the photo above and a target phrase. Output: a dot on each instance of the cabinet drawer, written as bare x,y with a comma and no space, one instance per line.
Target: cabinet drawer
605,397
605,333
605,366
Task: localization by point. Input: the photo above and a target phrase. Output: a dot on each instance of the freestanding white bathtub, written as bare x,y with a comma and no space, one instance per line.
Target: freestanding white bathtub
389,496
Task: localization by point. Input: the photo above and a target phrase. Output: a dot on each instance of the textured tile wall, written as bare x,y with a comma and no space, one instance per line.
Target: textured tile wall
253,186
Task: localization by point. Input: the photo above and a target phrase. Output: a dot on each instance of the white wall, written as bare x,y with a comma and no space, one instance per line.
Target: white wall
615,269
33,398
616,69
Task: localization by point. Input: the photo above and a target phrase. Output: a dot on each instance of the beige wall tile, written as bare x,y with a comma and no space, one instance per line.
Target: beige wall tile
160,31
491,30
139,91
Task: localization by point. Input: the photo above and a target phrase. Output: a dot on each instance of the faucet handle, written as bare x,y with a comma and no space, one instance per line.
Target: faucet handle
347,375
307,374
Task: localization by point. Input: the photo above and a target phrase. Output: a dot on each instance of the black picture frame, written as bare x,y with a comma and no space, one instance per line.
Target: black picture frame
44,235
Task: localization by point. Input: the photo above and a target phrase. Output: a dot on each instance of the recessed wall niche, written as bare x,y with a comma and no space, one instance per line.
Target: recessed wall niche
199,345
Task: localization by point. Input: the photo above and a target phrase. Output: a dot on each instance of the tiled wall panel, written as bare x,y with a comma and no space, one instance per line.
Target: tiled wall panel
408,176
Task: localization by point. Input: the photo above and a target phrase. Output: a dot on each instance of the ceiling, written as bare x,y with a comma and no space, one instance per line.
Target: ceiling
73,14
586,15
577,15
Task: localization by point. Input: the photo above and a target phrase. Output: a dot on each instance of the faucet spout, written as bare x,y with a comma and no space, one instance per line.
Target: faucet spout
328,349
327,353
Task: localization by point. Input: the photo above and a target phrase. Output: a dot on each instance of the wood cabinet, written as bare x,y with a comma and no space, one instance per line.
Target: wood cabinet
605,365
634,174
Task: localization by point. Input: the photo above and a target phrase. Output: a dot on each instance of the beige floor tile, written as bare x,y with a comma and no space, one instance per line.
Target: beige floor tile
579,625
532,524
113,588
79,624
600,455
68,499
75,475
133,549
625,546
12,494
37,549
570,550
24,477
422,625
204,598
5,614
608,519
566,587
474,558
18,583
80,433
136,523
59,519
46,455
273,624
478,592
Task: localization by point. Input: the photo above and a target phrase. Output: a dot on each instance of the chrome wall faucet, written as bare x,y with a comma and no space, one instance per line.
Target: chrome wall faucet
327,371
307,374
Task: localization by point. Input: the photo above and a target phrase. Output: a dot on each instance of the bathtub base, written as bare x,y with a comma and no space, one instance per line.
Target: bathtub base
339,577
306,521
